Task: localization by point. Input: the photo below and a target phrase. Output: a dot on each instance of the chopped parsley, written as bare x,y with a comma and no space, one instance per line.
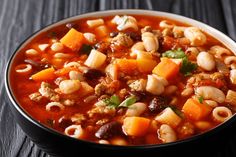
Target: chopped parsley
113,101
200,99
176,54
129,101
187,67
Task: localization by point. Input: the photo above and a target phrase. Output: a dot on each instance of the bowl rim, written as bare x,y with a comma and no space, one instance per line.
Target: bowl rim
226,40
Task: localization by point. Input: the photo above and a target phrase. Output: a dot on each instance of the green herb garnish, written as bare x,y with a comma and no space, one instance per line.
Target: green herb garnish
113,101
187,67
129,101
86,49
176,54
200,99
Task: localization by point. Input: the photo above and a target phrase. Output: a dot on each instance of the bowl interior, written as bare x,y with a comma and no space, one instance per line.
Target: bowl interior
229,43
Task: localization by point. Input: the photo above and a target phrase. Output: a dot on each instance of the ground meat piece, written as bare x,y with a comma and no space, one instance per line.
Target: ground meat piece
101,110
107,88
102,121
186,129
138,85
46,91
123,40
99,89
78,118
35,96
102,46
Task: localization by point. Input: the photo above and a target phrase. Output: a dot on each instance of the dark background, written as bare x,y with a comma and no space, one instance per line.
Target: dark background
20,18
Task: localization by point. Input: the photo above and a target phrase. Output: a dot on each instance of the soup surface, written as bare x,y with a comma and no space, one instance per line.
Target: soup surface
126,80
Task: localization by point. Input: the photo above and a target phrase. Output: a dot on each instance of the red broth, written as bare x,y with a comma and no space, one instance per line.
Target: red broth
164,85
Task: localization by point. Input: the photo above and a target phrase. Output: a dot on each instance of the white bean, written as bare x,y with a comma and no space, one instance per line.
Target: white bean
166,24
61,55
69,86
23,68
75,75
206,61
196,37
138,46
221,113
31,52
50,105
166,134
57,46
74,131
136,109
43,47
72,64
209,92
90,37
150,41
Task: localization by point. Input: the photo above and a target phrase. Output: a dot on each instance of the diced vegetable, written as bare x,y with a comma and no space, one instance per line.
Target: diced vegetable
73,39
95,59
187,67
129,101
146,65
112,71
195,110
127,65
113,101
136,126
168,116
166,68
174,54
46,74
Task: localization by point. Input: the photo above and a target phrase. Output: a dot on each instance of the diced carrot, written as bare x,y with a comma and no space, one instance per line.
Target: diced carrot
127,65
166,68
146,65
46,74
136,126
73,39
195,110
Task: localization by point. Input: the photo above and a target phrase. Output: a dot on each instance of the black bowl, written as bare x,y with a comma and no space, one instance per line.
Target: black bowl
55,143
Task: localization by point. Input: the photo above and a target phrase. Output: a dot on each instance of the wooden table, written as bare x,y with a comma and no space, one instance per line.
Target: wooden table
20,18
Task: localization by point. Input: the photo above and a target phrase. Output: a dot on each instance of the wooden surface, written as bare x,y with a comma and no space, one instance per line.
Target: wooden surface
20,18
